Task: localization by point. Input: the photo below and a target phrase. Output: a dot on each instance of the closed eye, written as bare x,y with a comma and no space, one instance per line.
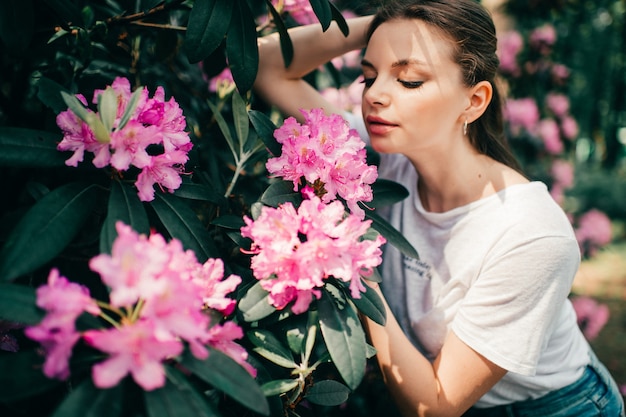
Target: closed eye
368,81
410,84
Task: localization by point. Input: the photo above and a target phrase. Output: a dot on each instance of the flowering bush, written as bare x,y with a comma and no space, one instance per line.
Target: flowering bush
180,294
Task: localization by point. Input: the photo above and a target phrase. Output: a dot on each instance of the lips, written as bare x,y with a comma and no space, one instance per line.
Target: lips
379,126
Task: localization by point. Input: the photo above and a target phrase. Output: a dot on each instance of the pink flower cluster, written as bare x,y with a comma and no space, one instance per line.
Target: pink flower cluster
593,231
325,150
159,297
591,315
297,249
510,45
563,174
153,123
300,10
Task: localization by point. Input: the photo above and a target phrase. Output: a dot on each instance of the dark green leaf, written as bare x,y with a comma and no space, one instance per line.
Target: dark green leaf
255,304
224,128
343,335
125,206
76,106
199,192
265,128
208,24
17,304
88,401
328,392
322,10
229,221
49,92
30,148
183,224
22,377
46,229
240,117
268,346
341,21
387,192
286,46
130,108
178,398
393,236
241,46
223,373
371,305
280,192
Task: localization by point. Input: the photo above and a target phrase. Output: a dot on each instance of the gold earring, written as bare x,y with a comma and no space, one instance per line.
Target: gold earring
465,128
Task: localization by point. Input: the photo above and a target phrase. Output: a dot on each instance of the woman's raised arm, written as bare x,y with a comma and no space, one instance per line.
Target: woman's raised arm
284,87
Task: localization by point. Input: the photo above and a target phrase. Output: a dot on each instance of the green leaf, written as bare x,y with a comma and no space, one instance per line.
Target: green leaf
392,235
208,24
286,46
328,392
21,376
49,92
224,128
279,386
129,111
76,106
107,107
30,148
268,346
125,206
255,304
371,305
343,335
265,128
178,398
280,192
88,401
322,10
46,229
183,224
241,46
17,304
387,192
229,221
223,373
199,192
338,17
240,116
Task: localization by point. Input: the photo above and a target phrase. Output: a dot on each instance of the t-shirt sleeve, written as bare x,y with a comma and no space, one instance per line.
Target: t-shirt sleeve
510,310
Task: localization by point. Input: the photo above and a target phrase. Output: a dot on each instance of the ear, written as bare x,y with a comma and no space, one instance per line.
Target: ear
479,98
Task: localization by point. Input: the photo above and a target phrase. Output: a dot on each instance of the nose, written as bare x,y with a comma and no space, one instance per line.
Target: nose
376,94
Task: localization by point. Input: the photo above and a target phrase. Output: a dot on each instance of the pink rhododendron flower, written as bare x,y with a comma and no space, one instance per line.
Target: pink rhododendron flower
222,338
325,150
569,127
509,46
558,104
548,131
562,172
135,349
153,122
521,113
591,315
544,35
209,278
63,301
222,83
300,10
296,250
594,231
560,73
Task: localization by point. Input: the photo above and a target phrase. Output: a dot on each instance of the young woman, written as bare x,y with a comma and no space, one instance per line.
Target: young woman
481,323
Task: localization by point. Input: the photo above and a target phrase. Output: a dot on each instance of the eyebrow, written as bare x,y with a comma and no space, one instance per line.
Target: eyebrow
400,63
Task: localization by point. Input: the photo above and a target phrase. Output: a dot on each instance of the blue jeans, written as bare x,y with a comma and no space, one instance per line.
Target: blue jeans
594,394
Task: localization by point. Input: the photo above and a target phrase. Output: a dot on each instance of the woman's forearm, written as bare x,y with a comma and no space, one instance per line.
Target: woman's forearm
283,86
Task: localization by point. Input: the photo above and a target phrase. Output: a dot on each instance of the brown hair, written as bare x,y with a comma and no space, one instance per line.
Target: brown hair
472,32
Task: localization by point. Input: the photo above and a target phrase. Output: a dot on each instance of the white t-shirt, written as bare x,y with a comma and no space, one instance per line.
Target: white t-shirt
497,272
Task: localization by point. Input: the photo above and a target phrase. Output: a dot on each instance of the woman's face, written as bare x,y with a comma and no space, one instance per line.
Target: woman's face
414,96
